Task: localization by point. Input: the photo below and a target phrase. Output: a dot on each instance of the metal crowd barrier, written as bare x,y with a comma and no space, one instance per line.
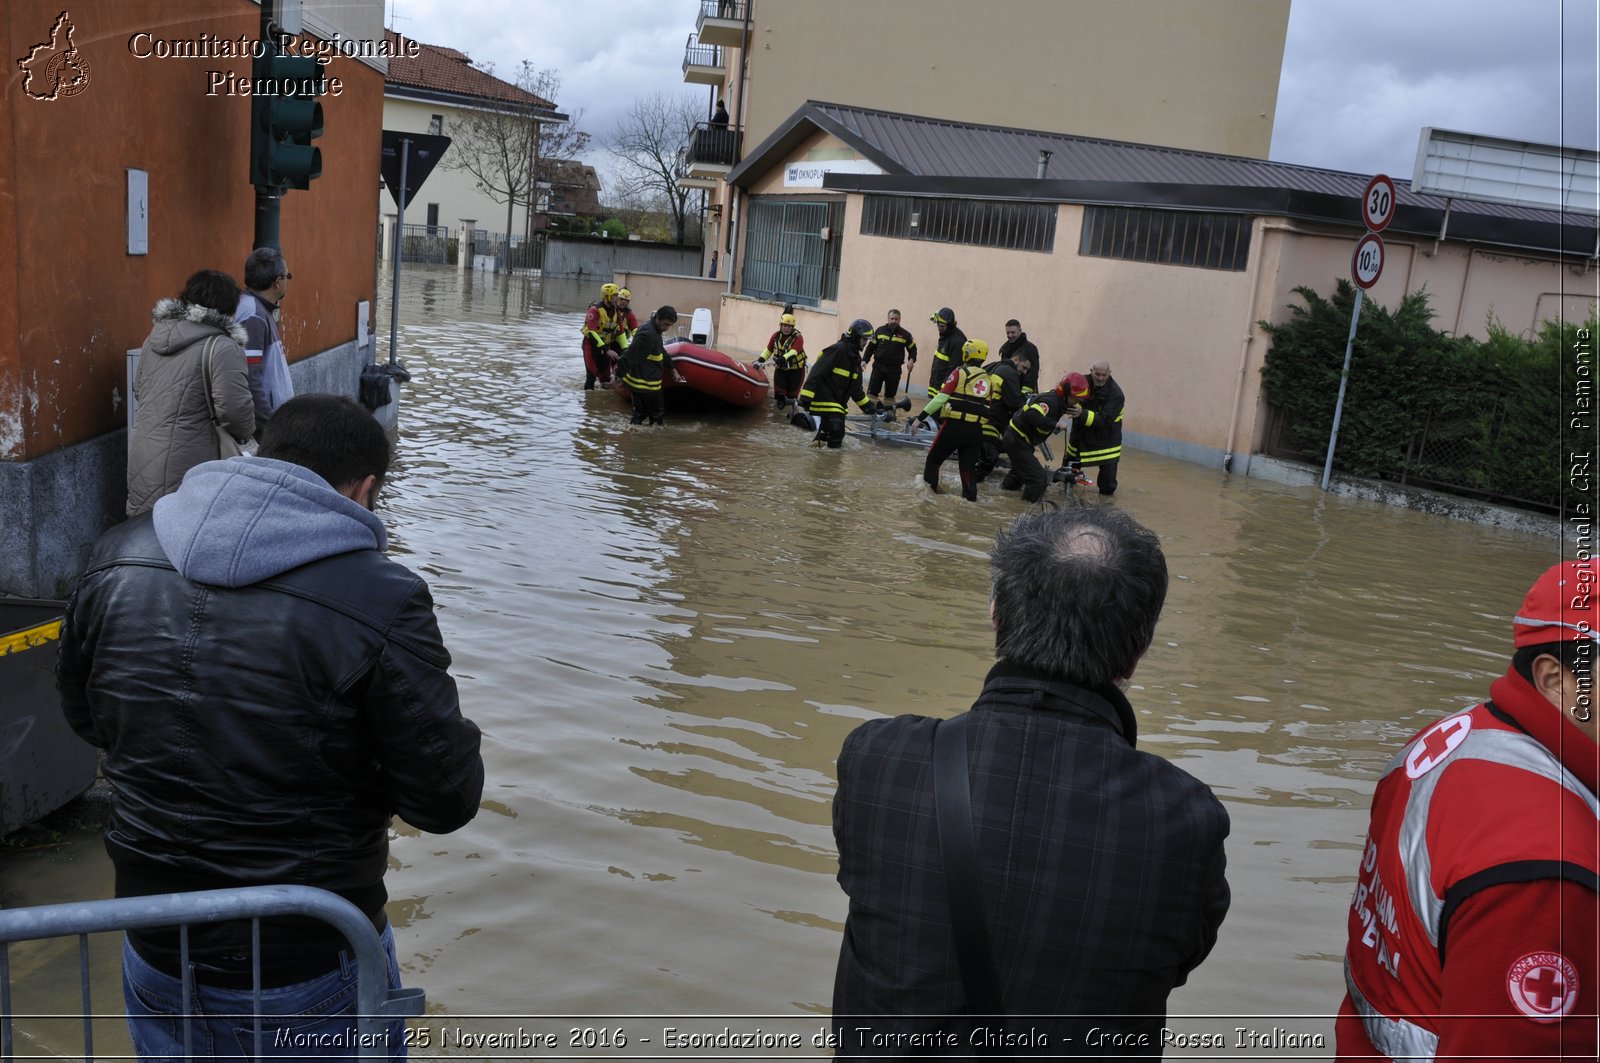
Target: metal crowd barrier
376,1004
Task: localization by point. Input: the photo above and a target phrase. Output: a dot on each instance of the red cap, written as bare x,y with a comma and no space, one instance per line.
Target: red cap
1563,604
1073,384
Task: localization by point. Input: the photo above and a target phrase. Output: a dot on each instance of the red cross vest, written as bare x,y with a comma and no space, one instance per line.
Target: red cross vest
1468,803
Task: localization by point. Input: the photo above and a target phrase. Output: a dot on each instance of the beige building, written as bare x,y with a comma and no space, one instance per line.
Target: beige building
1176,72
1160,260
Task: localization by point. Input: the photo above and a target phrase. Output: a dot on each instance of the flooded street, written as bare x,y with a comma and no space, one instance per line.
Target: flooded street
666,635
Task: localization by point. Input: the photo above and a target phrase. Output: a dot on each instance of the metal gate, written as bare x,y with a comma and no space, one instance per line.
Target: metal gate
376,1004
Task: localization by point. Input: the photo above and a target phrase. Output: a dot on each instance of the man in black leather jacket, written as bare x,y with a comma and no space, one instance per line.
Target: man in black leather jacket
269,690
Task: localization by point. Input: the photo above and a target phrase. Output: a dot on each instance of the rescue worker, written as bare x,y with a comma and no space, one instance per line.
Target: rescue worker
1005,400
947,355
600,328
786,350
890,348
1473,929
1096,437
834,381
627,322
646,366
1039,417
962,406
1017,342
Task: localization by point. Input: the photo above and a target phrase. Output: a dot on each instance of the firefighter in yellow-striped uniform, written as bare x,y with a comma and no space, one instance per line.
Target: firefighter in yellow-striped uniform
834,382
646,366
962,405
1096,432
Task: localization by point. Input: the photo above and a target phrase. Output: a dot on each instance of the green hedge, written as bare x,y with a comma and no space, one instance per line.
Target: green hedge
1484,417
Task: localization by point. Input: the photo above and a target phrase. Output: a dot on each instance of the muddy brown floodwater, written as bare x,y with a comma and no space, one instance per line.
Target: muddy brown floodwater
666,635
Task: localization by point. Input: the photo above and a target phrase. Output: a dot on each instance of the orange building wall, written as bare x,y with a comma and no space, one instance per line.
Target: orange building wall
72,300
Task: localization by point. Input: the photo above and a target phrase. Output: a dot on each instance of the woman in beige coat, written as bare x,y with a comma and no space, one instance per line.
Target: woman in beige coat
192,377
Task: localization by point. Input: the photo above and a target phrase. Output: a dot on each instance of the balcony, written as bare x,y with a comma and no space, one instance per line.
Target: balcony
713,150
721,22
702,64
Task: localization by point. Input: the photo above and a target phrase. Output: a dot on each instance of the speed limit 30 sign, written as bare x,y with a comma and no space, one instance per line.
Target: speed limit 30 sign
1378,203
1367,263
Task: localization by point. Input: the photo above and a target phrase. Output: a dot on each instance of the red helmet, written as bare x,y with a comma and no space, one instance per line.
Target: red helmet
1073,385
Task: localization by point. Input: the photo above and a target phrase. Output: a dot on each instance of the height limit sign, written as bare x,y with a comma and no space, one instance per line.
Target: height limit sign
1367,263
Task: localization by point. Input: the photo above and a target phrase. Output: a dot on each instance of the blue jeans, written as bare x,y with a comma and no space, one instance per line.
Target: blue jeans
310,1019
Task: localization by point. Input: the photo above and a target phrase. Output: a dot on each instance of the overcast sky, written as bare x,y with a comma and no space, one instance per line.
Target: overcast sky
1360,77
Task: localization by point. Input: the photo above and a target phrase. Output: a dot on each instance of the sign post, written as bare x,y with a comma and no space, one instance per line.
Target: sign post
1366,266
408,159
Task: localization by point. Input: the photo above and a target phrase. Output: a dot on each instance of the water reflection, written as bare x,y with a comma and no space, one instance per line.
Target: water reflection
666,635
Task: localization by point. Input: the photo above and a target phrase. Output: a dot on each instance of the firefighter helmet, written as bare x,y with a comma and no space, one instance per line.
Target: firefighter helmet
860,328
1073,386
786,319
943,316
608,290
975,350
623,293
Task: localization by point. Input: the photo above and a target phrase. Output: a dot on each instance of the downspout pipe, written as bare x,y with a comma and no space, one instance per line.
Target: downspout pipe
735,205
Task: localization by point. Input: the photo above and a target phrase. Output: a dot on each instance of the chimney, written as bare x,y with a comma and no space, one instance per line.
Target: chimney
1044,162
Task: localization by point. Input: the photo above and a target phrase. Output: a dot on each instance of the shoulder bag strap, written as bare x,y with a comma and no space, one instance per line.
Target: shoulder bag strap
958,847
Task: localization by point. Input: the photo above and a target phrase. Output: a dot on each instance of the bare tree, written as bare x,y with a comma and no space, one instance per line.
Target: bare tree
508,146
651,145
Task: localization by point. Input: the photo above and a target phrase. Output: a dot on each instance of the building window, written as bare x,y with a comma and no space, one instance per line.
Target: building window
1171,237
791,249
981,222
436,124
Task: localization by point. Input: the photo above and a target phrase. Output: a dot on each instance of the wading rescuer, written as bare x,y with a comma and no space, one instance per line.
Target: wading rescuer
947,354
835,381
601,326
646,366
892,352
1031,426
962,406
1473,927
786,350
1096,437
1005,400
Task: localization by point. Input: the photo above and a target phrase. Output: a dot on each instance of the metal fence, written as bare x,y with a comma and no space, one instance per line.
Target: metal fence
376,1004
1439,453
503,255
427,243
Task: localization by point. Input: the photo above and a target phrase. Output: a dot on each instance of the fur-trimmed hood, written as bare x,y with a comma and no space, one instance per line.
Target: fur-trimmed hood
179,324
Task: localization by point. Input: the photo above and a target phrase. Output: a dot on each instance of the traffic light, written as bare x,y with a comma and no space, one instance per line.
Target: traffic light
285,118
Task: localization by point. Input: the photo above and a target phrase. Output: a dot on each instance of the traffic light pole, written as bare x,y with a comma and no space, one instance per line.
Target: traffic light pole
267,200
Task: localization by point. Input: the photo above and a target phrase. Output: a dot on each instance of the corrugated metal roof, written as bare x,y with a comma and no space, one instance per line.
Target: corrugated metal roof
921,147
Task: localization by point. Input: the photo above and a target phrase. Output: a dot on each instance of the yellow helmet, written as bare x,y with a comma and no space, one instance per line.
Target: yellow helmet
608,290
623,293
786,319
975,350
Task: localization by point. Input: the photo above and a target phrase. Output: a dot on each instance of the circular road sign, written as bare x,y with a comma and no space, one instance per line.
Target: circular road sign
1378,203
1367,263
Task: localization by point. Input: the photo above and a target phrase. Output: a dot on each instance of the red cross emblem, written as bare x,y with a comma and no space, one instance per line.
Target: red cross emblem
1435,744
980,387
1543,986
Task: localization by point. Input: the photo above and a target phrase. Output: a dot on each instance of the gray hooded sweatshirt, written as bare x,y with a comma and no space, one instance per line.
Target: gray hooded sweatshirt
237,522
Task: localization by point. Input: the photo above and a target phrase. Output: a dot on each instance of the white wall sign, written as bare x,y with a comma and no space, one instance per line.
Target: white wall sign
810,174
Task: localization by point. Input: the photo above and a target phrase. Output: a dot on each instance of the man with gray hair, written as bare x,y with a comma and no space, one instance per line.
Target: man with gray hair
1025,859
266,281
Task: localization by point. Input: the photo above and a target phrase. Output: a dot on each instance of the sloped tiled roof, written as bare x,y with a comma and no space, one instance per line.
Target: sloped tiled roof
937,156
446,70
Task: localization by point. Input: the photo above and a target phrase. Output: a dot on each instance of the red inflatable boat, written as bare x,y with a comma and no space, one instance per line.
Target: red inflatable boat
708,375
